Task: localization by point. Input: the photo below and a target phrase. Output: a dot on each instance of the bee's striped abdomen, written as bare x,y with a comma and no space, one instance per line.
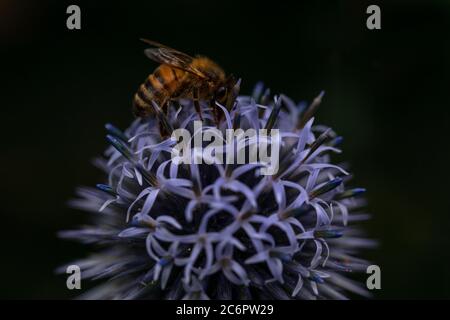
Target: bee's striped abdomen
168,77
159,87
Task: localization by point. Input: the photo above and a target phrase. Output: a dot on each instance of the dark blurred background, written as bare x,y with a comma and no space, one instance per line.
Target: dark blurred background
387,93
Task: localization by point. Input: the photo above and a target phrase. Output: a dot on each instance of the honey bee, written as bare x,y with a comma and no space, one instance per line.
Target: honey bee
180,76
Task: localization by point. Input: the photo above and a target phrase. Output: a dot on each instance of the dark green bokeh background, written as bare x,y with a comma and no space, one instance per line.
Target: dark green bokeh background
386,93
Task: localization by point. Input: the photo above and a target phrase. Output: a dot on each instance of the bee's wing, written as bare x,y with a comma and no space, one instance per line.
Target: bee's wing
172,57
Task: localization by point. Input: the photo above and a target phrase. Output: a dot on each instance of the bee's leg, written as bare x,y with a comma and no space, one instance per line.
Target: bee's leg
215,110
164,102
197,102
165,129
165,106
176,103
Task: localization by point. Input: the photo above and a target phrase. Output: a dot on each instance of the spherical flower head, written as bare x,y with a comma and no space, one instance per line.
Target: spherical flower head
167,229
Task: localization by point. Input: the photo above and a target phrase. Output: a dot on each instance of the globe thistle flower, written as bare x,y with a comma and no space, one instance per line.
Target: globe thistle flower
169,230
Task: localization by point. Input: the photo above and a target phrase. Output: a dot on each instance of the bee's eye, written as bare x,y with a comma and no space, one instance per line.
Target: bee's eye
221,92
